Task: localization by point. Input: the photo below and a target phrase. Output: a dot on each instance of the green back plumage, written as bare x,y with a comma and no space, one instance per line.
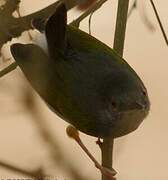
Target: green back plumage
83,80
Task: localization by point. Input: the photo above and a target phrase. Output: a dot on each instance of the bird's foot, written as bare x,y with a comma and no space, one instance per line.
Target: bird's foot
99,142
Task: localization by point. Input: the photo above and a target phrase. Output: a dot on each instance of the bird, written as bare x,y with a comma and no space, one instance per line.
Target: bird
82,80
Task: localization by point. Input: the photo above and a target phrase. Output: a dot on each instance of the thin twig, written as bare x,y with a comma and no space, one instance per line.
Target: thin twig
159,21
90,20
108,173
92,9
8,69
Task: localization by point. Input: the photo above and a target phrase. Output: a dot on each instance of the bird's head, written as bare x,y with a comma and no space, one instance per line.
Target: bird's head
126,99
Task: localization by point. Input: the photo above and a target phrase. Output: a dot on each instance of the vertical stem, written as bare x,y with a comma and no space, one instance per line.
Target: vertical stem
121,21
107,154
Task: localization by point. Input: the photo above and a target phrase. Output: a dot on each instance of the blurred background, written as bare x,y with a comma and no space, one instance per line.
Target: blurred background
141,155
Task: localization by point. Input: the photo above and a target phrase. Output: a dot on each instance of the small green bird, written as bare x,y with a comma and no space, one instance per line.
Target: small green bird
84,81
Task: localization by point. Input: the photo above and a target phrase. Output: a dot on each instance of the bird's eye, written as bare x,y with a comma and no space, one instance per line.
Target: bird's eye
114,105
144,92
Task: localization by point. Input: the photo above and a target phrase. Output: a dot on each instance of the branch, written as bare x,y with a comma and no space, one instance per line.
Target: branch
107,154
11,27
92,9
10,6
33,174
